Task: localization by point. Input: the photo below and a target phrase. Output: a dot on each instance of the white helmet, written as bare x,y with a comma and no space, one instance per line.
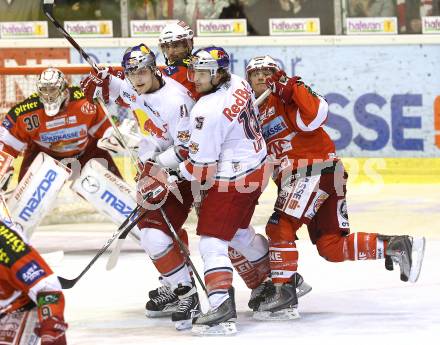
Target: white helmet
261,62
175,32
210,58
52,90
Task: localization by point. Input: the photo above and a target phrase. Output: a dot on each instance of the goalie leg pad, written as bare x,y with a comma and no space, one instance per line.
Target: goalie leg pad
36,193
108,193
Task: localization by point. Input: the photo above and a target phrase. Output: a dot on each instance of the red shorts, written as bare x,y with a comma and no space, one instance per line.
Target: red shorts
326,214
91,151
223,213
176,211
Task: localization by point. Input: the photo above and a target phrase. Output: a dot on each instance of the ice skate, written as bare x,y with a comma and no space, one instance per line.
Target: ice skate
408,252
282,305
187,308
218,321
163,302
302,288
258,294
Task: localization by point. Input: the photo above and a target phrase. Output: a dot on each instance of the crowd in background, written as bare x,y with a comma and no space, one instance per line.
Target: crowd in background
257,12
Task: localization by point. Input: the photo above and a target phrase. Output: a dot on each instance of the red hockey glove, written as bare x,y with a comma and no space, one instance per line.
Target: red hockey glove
100,79
51,327
284,90
153,185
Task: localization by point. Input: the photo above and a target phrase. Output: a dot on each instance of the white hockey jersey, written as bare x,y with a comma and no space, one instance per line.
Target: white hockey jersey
163,114
226,141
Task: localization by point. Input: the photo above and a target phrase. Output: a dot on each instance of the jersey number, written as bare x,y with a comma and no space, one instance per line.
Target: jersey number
251,126
32,122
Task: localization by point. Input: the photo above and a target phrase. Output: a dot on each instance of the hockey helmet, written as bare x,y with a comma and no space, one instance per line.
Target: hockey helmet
52,90
175,32
210,58
138,57
261,62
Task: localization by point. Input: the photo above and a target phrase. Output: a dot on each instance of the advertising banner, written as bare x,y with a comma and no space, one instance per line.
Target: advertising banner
294,26
89,28
221,27
371,26
381,98
431,25
148,28
15,30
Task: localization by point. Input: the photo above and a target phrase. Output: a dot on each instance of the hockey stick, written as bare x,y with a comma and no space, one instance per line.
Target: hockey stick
183,249
122,230
48,11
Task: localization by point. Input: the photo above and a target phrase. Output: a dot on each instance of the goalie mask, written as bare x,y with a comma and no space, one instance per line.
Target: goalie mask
211,59
139,64
52,90
176,41
263,63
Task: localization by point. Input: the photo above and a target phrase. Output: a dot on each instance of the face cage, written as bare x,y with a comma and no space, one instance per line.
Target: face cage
52,102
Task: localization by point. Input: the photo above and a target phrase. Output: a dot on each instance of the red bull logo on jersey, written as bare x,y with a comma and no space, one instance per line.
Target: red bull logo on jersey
151,128
241,97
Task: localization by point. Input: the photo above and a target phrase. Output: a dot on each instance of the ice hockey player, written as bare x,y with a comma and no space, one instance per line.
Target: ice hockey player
312,190
57,120
162,108
28,287
226,158
176,43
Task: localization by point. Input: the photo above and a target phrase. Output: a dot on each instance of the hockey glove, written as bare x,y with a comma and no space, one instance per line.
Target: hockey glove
97,84
154,185
278,87
51,327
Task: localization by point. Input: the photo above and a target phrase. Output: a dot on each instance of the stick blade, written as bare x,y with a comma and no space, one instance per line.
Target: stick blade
67,283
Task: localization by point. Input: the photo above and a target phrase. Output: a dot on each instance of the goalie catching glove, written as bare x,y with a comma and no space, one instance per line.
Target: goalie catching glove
153,185
111,142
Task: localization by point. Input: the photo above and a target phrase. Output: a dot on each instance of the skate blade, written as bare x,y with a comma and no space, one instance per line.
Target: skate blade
417,254
183,324
303,289
281,315
158,314
223,328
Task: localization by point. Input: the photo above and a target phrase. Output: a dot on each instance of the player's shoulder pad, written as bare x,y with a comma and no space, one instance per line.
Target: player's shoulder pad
76,93
30,104
13,247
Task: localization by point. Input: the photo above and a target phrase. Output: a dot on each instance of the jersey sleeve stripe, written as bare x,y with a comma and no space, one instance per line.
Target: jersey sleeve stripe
317,121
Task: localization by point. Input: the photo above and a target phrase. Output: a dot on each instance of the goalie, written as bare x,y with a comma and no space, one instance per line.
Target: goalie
58,125
57,120
31,301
